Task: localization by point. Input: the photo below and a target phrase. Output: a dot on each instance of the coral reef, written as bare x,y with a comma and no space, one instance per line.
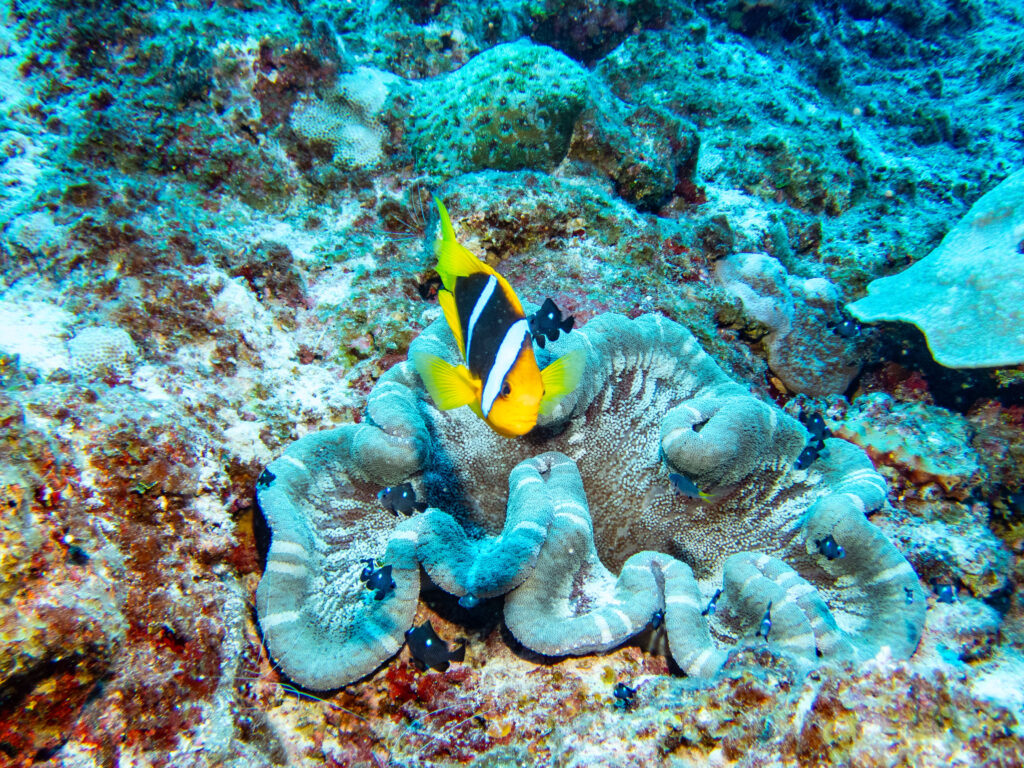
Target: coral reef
94,349
926,443
804,350
601,501
213,246
348,119
522,105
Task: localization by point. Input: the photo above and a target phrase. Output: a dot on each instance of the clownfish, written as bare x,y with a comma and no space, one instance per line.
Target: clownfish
500,380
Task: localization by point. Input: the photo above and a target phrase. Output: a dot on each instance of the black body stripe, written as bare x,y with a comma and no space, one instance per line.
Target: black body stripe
492,325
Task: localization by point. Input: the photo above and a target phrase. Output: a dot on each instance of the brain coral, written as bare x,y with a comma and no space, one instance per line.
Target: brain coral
576,523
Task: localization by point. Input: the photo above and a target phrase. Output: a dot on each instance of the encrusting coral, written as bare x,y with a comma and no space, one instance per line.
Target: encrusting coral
549,519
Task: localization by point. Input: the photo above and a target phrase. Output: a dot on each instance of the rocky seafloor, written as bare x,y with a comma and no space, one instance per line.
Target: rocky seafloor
216,237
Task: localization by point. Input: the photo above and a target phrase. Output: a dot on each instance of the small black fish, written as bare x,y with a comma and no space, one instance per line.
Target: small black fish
815,424
77,555
429,650
625,697
829,548
378,579
658,618
401,499
547,323
713,604
1015,501
686,487
807,457
910,595
766,623
846,328
944,593
265,479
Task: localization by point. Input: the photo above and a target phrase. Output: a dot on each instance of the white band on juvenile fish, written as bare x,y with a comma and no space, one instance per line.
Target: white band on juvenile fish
478,308
503,362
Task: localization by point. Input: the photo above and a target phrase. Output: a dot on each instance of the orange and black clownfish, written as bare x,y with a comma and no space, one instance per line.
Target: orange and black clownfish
500,380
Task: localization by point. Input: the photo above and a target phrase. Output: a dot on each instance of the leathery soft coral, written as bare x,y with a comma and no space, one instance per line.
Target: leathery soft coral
577,523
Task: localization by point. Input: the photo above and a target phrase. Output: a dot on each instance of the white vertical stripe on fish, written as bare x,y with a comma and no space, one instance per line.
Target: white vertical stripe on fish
503,362
478,309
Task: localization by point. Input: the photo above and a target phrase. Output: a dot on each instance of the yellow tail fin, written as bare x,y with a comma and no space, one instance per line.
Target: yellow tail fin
560,378
449,386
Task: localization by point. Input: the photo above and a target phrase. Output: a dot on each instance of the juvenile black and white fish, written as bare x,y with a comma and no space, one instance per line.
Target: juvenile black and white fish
547,323
847,328
429,650
712,604
766,623
829,548
377,579
815,424
625,697
401,499
807,457
944,593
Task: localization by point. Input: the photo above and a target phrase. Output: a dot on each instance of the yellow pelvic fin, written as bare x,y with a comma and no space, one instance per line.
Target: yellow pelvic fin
447,301
560,378
450,386
453,259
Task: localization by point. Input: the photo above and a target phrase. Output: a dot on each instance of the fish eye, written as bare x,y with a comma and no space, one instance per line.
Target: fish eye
506,390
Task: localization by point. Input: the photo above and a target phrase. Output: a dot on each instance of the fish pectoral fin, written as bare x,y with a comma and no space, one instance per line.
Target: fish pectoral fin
560,378
447,301
450,386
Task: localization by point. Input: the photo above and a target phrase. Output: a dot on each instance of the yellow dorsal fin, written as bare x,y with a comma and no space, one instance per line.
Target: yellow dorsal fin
447,301
450,386
560,378
453,259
